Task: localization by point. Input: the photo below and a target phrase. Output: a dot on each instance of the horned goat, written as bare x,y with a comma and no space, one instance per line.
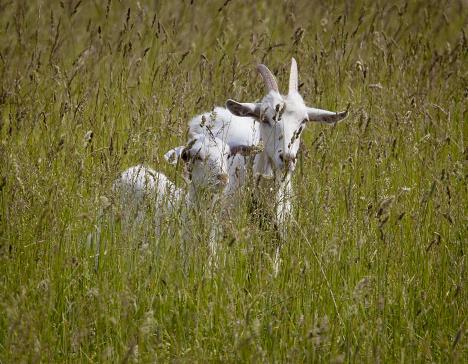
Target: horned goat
277,122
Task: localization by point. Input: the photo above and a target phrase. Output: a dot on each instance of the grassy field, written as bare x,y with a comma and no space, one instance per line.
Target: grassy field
374,269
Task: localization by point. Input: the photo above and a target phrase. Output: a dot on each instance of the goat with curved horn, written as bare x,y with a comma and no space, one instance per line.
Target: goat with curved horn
277,122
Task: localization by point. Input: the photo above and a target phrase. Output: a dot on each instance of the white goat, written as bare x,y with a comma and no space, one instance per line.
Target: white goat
205,170
277,121
208,162
142,183
205,162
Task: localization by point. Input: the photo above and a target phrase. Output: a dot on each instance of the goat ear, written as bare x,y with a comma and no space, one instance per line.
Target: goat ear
173,156
324,116
178,153
243,109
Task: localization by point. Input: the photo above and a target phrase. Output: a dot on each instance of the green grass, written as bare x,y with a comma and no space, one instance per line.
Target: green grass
374,269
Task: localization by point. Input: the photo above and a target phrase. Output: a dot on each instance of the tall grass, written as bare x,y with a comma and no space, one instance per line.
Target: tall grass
374,269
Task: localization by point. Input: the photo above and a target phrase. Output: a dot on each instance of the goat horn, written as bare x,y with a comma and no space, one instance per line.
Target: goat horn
293,77
268,78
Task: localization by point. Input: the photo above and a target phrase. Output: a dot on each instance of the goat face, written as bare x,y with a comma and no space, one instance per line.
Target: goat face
205,162
282,118
282,121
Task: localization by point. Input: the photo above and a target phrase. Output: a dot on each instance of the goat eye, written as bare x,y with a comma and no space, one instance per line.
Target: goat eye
185,156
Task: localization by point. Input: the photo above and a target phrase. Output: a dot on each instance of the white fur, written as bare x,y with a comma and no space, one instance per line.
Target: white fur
222,124
143,182
140,187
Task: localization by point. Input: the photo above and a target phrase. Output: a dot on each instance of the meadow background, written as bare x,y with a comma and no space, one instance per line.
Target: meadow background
374,269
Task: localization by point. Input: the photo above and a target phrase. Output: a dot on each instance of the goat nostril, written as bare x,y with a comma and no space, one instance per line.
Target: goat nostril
281,157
